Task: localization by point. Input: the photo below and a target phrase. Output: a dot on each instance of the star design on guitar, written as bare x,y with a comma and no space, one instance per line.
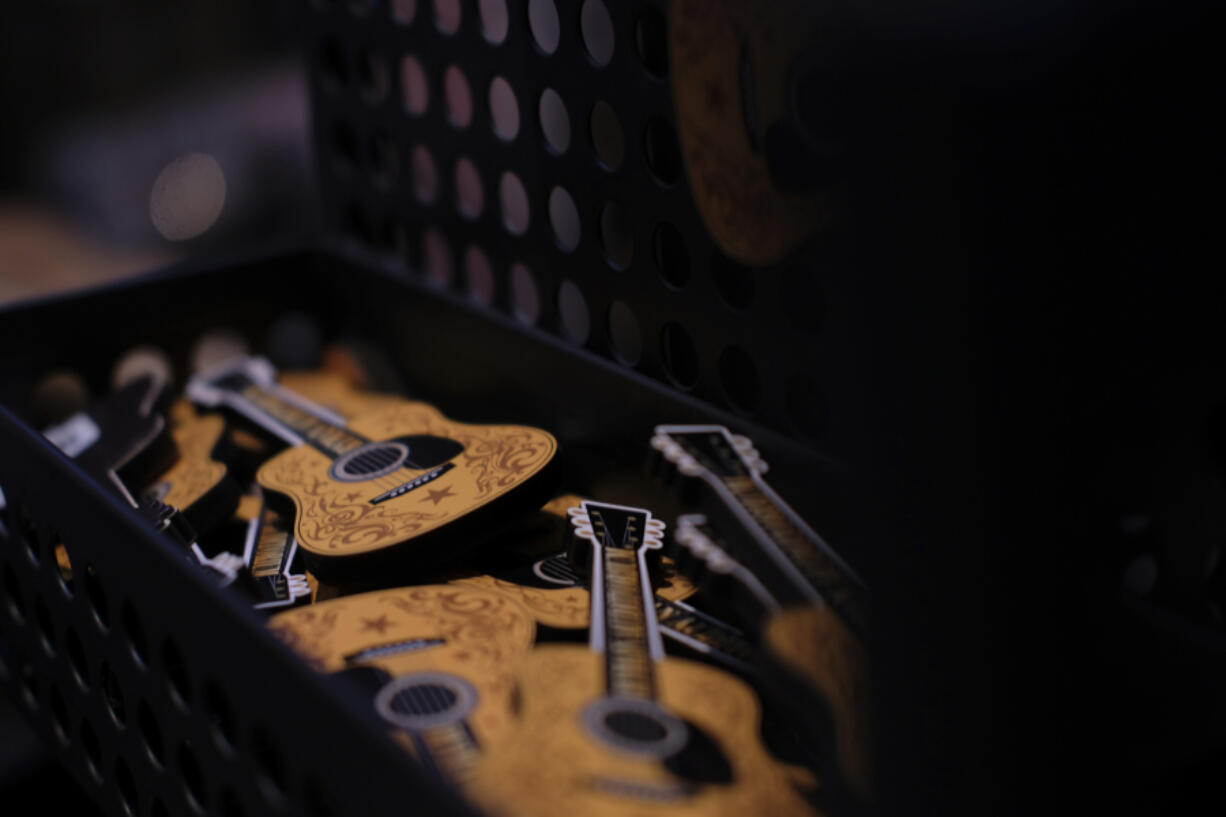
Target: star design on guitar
438,496
378,625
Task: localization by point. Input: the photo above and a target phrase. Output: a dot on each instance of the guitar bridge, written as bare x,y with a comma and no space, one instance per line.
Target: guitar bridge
416,482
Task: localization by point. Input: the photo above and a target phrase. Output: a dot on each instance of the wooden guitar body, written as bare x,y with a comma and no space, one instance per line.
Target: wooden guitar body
433,633
715,47
562,762
338,518
197,484
813,644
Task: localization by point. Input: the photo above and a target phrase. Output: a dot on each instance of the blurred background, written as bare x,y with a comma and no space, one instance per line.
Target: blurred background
1049,163
112,111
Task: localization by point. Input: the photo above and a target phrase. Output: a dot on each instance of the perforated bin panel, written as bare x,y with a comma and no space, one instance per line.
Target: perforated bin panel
160,693
526,154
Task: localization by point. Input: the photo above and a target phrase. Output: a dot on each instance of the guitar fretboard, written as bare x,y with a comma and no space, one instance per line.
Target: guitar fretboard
627,655
821,571
331,439
449,749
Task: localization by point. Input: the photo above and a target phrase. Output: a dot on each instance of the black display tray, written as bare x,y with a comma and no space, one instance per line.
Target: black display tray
166,695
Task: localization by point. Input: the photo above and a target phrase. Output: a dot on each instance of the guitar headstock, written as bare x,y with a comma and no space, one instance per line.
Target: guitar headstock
604,525
702,559
211,387
707,450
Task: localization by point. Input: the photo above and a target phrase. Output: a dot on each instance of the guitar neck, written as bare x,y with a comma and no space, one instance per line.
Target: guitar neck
628,625
292,418
809,571
623,617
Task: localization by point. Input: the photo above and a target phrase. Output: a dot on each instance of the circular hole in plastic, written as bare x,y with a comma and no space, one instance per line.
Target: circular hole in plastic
404,11
193,778
679,355
494,20
425,175
555,121
469,195
624,334
617,235
458,97
46,626
357,222
319,802
414,86
564,218
59,714
436,258
525,297
739,378
597,30
607,139
178,681
150,733
543,21
32,544
93,749
448,14
504,109
125,784
672,261
572,307
76,658
651,41
134,633
270,766
478,276
516,213
15,604
333,70
112,694
29,686
230,804
800,298
806,406
344,147
373,77
733,281
220,717
63,564
384,160
663,155
97,597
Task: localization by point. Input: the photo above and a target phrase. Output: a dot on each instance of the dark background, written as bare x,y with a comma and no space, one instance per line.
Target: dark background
1036,189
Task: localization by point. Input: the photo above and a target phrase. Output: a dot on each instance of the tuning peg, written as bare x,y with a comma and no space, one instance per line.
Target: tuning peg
579,544
751,456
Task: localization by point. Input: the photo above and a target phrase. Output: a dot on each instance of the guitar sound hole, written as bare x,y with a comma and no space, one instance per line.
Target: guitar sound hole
634,726
637,727
369,461
422,700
